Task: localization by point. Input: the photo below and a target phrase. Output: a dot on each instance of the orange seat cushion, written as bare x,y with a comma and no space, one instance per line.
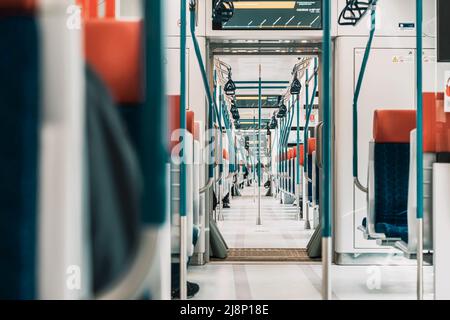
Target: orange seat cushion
393,126
311,145
436,123
114,50
190,121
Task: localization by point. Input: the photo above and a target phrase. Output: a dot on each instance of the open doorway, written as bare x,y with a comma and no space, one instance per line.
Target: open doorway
260,214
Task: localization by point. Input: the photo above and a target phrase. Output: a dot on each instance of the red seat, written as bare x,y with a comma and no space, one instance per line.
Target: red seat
114,50
436,124
90,8
300,157
190,121
387,128
311,145
225,154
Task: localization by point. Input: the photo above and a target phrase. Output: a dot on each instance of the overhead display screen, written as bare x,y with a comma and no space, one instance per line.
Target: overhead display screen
253,101
267,15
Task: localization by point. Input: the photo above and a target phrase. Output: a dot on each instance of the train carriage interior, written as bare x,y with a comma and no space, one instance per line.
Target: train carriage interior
224,150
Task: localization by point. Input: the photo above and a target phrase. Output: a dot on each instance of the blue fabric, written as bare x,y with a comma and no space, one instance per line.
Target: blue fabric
19,110
115,187
130,115
393,230
310,177
391,187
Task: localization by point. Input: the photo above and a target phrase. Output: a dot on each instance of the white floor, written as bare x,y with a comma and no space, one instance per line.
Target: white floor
296,281
303,282
280,227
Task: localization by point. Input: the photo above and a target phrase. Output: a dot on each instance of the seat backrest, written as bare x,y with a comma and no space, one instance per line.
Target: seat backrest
19,141
90,8
436,124
300,156
391,133
190,121
436,145
114,50
225,154
311,145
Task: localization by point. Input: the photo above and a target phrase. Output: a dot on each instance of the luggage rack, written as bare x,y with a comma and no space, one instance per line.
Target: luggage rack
354,11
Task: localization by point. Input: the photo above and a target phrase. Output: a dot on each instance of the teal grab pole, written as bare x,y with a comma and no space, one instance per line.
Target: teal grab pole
286,134
287,141
419,93
153,142
259,128
358,91
289,127
183,203
286,137
231,146
327,104
211,136
282,150
220,130
419,151
297,162
282,145
305,129
280,132
309,107
213,109
198,54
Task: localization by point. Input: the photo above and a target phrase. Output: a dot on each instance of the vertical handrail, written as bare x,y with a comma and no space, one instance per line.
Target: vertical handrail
309,108
221,136
231,145
220,195
297,161
280,132
286,140
258,221
419,160
212,143
356,98
183,181
327,181
305,156
213,109
154,142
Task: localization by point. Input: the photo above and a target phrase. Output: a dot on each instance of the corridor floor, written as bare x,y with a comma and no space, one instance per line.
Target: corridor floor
291,280
280,227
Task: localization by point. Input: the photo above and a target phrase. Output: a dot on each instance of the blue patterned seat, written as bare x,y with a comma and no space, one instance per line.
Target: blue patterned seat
391,189
389,173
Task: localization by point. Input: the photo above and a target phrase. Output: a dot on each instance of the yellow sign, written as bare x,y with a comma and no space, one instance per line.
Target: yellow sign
264,4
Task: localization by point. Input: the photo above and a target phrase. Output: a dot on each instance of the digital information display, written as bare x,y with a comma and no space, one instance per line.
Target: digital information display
249,102
272,15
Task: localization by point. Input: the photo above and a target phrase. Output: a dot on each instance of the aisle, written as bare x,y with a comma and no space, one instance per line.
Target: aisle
280,227
303,282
